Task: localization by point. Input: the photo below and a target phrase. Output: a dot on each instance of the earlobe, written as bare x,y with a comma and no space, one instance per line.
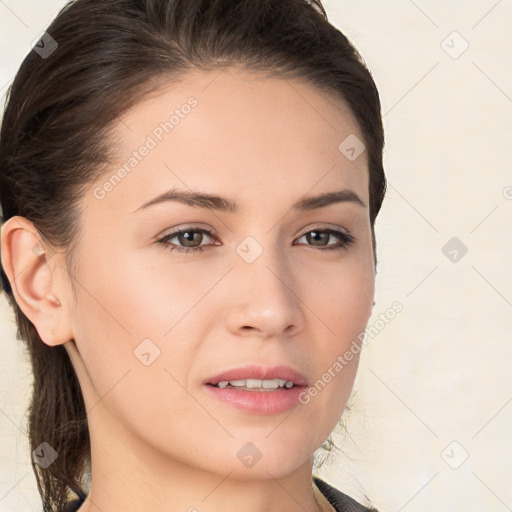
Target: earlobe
31,273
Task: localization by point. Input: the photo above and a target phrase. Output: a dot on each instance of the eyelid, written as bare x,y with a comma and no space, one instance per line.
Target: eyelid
186,227
320,227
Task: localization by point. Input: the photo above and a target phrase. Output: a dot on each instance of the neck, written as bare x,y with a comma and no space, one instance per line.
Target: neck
130,475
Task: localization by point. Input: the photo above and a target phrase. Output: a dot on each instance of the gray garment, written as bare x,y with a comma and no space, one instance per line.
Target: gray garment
340,501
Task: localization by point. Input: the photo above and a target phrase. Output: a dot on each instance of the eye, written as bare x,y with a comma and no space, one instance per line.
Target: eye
320,238
189,239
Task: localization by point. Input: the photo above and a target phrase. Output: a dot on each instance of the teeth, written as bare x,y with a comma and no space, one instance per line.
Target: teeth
257,383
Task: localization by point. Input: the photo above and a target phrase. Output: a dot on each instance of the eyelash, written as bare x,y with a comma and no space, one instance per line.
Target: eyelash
345,238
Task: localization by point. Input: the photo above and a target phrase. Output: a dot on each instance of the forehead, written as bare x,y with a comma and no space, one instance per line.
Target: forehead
236,133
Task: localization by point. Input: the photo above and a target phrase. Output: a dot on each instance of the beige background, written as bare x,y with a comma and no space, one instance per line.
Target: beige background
434,386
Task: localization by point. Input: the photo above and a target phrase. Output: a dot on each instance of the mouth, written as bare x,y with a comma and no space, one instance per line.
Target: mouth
258,378
258,390
254,384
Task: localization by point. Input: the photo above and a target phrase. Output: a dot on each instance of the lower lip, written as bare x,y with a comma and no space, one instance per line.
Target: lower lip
259,402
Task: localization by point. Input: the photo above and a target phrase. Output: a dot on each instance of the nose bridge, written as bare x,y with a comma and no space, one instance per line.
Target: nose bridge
264,264
263,255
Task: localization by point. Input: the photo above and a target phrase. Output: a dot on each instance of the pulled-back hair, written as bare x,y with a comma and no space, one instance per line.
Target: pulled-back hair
97,59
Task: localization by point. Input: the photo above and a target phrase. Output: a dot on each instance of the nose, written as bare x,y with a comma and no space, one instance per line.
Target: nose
264,298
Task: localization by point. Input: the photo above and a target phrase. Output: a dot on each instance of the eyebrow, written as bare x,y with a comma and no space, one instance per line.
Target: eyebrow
222,204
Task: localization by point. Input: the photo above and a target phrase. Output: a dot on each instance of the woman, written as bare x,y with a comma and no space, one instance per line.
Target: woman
189,190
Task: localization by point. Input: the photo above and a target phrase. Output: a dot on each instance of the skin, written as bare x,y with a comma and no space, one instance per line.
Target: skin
159,442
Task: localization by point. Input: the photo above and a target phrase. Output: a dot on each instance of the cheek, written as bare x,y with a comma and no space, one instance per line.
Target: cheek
341,305
132,313
138,298
115,313
342,298
133,369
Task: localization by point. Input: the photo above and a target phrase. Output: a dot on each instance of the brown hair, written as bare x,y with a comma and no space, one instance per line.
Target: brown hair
61,107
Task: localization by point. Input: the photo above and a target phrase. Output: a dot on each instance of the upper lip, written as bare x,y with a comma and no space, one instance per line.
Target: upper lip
253,371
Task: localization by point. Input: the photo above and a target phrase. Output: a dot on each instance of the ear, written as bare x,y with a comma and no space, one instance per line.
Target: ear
38,280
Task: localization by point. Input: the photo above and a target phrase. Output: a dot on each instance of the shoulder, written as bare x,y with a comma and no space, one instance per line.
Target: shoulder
340,501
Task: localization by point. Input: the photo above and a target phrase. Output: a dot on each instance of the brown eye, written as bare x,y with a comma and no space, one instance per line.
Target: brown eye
188,239
320,237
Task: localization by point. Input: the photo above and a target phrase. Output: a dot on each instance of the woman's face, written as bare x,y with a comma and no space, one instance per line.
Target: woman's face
264,285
